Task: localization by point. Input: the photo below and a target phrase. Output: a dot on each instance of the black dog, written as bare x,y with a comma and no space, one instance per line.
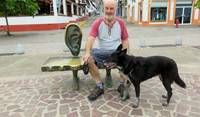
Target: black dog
139,69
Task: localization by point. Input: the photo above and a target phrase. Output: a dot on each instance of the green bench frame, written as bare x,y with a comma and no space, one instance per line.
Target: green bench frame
73,37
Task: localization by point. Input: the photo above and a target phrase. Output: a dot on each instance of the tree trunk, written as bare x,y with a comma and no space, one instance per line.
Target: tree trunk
7,25
6,17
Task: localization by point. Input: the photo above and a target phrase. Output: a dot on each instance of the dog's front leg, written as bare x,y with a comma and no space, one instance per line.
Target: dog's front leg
126,91
137,92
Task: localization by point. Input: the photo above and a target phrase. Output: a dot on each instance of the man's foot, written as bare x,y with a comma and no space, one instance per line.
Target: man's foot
97,91
121,89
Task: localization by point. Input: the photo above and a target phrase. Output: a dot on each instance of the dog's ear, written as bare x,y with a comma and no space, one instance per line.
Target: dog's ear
119,47
123,52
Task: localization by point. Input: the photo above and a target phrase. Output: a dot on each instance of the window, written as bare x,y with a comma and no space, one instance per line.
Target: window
158,14
60,7
133,12
45,7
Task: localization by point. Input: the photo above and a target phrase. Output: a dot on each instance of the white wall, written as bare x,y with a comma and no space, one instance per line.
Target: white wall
136,10
36,20
196,14
171,10
145,10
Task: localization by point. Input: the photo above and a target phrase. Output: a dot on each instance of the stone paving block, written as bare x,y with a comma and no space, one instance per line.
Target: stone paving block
80,98
41,104
74,109
182,108
52,107
105,108
114,105
48,101
191,114
63,109
50,114
66,101
84,108
170,107
150,113
195,109
175,114
85,113
74,104
126,109
84,103
121,114
157,107
13,107
124,103
44,97
15,115
137,112
111,113
108,96
4,114
55,97
29,113
97,103
165,113
39,112
96,113
145,105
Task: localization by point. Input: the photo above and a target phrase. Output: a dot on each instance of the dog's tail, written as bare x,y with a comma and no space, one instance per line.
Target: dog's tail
180,82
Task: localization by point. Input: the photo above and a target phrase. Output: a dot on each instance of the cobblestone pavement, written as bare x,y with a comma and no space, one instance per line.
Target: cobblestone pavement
51,97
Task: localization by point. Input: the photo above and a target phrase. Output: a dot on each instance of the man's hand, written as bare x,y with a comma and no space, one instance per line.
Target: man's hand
85,57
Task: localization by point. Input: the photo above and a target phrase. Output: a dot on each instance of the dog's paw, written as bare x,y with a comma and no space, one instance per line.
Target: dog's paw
135,105
164,96
165,104
124,98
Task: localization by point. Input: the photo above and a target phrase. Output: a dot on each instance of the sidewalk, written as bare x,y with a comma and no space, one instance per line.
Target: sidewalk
25,91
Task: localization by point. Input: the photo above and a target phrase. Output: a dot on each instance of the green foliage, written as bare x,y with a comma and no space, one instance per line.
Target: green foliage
18,7
197,5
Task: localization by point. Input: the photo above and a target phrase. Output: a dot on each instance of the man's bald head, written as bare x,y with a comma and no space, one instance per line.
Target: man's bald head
110,3
109,9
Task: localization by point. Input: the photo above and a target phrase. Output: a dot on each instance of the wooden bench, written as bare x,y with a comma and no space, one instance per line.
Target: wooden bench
73,37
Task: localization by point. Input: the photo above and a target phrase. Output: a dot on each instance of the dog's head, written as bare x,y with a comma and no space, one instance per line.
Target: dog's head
115,58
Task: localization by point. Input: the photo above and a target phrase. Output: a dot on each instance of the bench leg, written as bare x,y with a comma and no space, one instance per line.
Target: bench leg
75,85
108,80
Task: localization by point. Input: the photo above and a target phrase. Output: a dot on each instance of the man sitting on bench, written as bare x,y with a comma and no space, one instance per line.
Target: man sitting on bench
111,32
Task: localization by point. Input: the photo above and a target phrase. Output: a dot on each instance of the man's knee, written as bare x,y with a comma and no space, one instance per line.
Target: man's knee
91,60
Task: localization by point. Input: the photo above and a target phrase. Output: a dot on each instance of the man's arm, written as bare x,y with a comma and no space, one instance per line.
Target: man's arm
125,44
88,48
89,44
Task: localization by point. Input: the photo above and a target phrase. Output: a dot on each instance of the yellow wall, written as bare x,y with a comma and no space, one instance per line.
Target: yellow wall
169,22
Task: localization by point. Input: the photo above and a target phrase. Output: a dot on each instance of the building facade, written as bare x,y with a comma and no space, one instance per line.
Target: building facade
53,14
163,12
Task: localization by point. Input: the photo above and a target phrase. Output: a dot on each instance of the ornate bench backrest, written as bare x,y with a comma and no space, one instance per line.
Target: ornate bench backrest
73,38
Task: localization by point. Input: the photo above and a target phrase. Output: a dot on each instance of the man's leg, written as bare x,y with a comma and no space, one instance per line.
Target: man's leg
99,88
93,69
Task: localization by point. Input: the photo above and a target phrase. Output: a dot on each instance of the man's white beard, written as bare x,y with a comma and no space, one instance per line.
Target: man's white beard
109,18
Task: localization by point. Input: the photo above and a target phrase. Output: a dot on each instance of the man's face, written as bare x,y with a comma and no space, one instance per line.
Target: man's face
109,10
